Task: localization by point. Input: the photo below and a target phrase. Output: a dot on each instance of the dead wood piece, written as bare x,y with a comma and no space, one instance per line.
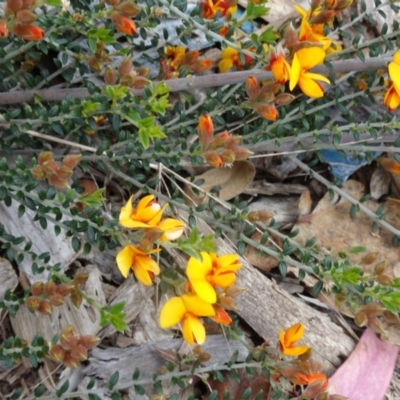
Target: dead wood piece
270,189
43,240
104,362
9,279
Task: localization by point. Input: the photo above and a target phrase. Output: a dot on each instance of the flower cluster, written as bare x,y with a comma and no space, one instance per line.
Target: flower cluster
72,347
224,8
127,75
178,57
55,174
19,19
209,292
147,216
392,95
221,149
121,15
46,295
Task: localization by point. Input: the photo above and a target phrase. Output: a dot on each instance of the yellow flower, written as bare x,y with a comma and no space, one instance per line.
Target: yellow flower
303,60
147,214
172,228
143,266
187,309
212,272
278,65
288,339
392,95
230,58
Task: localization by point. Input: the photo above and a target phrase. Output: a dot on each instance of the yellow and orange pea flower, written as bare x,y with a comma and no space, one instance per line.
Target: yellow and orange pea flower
31,32
148,213
392,95
288,339
303,60
209,8
300,378
278,65
187,309
230,58
211,272
143,266
172,229
123,24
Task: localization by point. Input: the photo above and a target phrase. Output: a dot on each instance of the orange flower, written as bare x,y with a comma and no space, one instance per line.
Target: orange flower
267,111
221,316
278,65
210,7
3,28
392,97
205,130
288,339
123,24
31,32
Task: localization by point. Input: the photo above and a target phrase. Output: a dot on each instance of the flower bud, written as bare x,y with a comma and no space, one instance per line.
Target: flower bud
128,9
234,290
384,280
113,3
25,18
56,299
227,303
266,111
58,183
140,82
80,278
380,267
79,352
65,289
68,337
32,303
31,32
341,5
14,5
89,341
261,215
64,172
316,386
70,361
49,288
143,71
252,88
50,167
232,142
128,79
45,308
37,288
283,99
110,76
322,396
227,156
95,64
72,160
219,140
126,66
213,159
221,316
57,353
3,28
123,24
44,157
361,318
241,153
27,4
76,299
290,36
323,17
205,130
201,65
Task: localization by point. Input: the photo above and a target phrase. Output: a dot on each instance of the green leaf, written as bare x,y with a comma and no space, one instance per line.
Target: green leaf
76,244
113,380
54,3
268,36
64,387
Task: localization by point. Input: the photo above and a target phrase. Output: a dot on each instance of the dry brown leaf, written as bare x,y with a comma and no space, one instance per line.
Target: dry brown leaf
331,224
233,181
380,183
264,262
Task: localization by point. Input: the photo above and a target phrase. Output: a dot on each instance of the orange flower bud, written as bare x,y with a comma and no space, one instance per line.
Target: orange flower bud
283,99
241,153
227,156
3,28
190,57
49,288
380,267
64,173
25,18
79,352
390,165
126,66
37,288
234,290
32,303
266,111
128,79
384,280
38,173
128,9
221,316
323,17
110,76
143,71
31,32
27,4
290,36
65,289
140,82
223,31
50,167
201,65
89,341
76,299
317,383
123,24
205,130
56,299
45,308
57,353
341,5
252,88
58,183
213,158
71,161
219,140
